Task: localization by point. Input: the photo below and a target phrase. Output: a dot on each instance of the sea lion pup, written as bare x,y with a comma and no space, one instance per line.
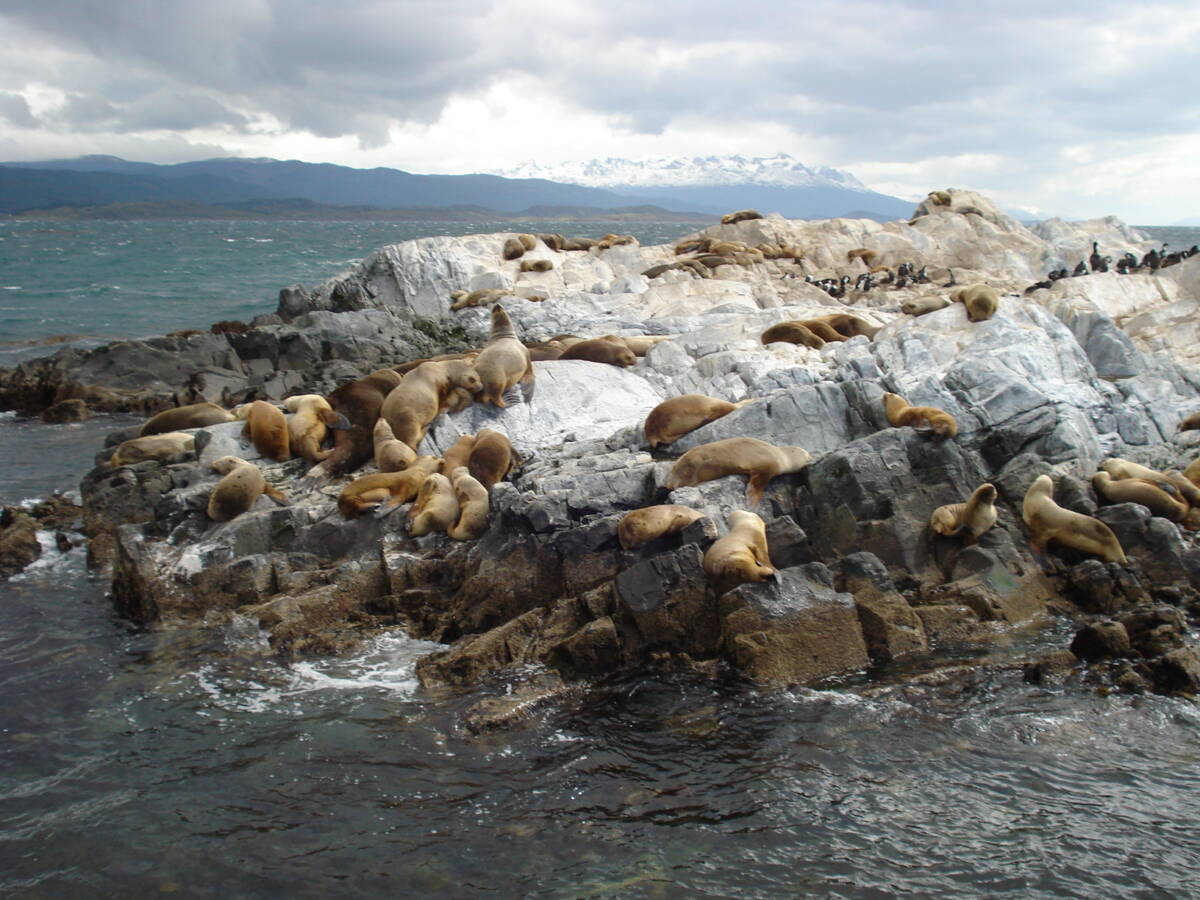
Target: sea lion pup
1191,423
867,256
939,198
267,429
359,401
503,361
458,455
473,505
492,457
970,519
981,300
899,414
608,349
848,325
672,419
1047,521
423,395
155,446
1139,490
386,491
195,415
391,455
481,297
239,489
741,555
641,344
644,525
742,215
312,417
919,306
436,507
737,456
536,265
792,333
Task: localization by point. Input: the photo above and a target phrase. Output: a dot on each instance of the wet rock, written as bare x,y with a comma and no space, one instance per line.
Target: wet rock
19,545
1101,640
1050,667
1177,672
67,411
1108,588
948,625
890,627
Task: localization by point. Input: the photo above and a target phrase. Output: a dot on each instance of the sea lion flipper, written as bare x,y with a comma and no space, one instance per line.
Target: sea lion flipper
277,495
511,395
756,486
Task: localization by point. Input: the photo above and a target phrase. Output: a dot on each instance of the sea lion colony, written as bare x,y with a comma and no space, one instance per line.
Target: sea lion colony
386,414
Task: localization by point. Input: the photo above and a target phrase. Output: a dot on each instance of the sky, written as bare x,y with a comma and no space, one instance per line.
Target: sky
1079,109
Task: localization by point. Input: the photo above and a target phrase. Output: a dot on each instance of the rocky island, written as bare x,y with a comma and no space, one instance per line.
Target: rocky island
1055,382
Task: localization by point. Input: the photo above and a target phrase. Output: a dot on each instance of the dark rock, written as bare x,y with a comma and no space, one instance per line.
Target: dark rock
19,545
1177,672
669,603
948,625
1101,640
1108,588
1155,543
890,627
1051,667
66,411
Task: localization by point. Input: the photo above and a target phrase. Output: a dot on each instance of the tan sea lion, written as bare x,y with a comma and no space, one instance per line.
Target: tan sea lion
391,455
155,446
644,525
823,330
239,489
899,414
387,491
424,394
554,241
737,456
742,215
970,519
981,300
641,344
458,455
1123,468
312,417
615,240
792,333
673,418
1047,521
436,507
607,349
1192,472
359,402
536,265
692,245
579,243
195,415
545,351
741,555
473,506
1139,490
513,248
919,306
847,325
566,340
406,367
867,256
492,457
726,248
482,297
503,362
267,428
939,198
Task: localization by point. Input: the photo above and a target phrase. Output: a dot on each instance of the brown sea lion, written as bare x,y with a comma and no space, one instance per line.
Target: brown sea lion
1047,521
391,455
673,418
939,198
482,297
970,519
155,446
386,491
692,245
239,489
436,507
566,340
458,455
1192,472
528,241
615,240
644,525
867,256
579,243
195,415
312,417
899,414
641,344
503,362
741,555
792,333
607,349
737,456
545,351
554,241
919,306
473,504
267,428
1139,490
847,325
359,402
655,271
981,301
492,457
424,394
742,215
1190,423
726,248
823,330
536,265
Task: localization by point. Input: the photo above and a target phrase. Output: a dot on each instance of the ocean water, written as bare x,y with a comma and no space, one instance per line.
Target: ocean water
188,761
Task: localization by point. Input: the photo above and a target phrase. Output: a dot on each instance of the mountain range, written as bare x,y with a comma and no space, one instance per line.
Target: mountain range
701,187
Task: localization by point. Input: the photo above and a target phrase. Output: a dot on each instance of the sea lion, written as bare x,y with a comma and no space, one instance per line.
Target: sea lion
566,340
970,519
823,330
312,417
741,555
1139,490
554,241
492,457
386,491
391,455
528,241
1123,468
424,394
847,325
458,455
1047,521
641,344
981,300
195,415
607,349
482,297
544,352
267,429
536,265
1191,423
615,240
155,446
239,489
406,367
359,402
513,248
726,248
939,198
644,525
792,333
737,456
1192,472
673,418
503,362
693,245
436,507
899,414
742,215
867,256
579,243
473,504
919,306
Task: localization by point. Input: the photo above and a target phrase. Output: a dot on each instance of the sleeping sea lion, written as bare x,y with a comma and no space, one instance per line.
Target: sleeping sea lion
391,455
1139,490
672,419
981,301
312,417
607,349
154,446
267,429
239,490
195,415
492,457
737,456
387,491
899,414
644,525
741,555
792,333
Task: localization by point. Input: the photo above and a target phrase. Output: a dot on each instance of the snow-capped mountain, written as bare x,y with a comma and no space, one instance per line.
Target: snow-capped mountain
780,170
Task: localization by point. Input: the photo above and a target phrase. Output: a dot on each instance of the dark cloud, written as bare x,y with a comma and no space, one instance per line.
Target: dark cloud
15,109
